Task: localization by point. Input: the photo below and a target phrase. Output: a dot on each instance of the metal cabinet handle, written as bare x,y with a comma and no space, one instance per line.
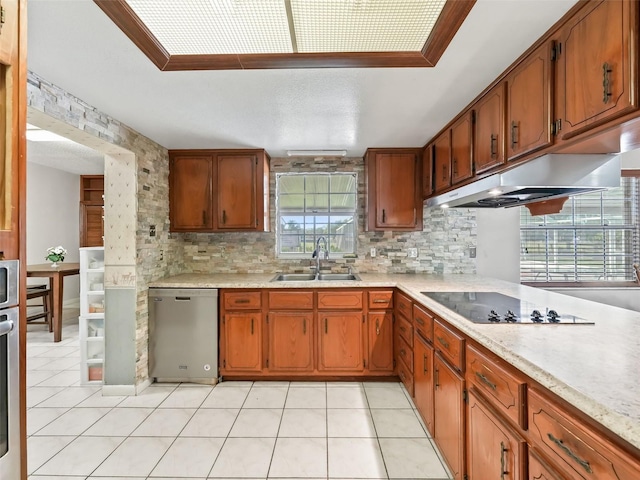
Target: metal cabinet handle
403,329
606,82
420,321
403,352
455,167
377,326
503,450
415,216
444,172
437,378
493,146
384,216
252,326
241,300
204,217
443,342
304,326
424,364
224,217
514,134
381,300
583,463
326,326
486,381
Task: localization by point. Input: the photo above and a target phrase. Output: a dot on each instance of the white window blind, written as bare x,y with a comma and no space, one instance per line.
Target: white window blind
595,238
314,205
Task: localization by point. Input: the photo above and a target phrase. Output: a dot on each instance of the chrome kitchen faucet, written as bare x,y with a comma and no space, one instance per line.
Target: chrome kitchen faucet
316,253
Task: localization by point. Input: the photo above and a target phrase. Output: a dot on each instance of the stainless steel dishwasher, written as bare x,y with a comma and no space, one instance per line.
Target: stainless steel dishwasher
183,334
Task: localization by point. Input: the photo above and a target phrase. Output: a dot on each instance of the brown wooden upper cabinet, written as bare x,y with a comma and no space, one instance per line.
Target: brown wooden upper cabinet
597,66
218,190
427,171
442,161
394,189
461,148
489,139
91,210
529,104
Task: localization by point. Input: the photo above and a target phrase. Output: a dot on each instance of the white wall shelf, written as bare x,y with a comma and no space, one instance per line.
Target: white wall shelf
91,315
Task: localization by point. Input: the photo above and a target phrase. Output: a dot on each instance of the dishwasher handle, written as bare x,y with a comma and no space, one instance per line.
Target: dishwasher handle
183,299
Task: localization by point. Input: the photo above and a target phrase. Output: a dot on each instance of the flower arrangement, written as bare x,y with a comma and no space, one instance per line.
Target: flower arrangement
56,254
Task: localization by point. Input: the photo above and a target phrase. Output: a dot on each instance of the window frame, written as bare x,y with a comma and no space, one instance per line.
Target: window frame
318,213
635,255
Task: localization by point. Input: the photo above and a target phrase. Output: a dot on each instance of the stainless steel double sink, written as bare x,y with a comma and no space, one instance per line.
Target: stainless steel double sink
308,277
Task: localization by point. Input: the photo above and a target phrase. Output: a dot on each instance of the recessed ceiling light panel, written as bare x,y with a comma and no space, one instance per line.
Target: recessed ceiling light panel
363,25
216,26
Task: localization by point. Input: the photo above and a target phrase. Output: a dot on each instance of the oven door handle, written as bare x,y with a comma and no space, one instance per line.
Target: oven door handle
6,327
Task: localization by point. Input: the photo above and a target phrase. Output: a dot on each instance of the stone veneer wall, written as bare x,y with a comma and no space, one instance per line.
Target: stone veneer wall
443,245
150,206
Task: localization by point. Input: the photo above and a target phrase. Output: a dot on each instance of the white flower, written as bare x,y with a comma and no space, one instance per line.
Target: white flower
59,250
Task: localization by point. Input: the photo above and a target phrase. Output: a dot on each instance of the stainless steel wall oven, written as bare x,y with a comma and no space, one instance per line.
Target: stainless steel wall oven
9,372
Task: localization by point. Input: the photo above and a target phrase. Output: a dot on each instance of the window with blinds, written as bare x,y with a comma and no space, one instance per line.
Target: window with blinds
314,205
595,238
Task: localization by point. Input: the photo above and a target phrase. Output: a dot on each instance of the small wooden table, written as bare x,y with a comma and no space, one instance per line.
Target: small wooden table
56,276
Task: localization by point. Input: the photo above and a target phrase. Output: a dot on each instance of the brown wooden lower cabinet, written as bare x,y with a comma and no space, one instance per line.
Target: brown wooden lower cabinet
291,342
243,342
449,415
539,470
494,450
380,342
423,380
341,342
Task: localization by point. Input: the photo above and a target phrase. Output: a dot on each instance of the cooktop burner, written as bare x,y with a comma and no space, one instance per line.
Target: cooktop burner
492,307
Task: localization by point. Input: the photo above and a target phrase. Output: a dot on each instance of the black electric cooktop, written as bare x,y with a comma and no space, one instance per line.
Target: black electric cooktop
496,308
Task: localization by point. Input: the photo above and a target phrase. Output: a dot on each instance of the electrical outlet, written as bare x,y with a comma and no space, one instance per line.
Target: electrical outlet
413,253
373,252
161,255
472,252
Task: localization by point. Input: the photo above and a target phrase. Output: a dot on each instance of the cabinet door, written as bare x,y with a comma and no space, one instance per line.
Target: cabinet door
341,341
236,185
290,342
442,162
91,225
242,342
190,202
423,380
488,143
397,198
597,68
381,342
538,470
427,171
494,450
528,99
461,152
449,416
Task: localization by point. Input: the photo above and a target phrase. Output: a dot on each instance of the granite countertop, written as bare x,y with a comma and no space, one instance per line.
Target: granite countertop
593,367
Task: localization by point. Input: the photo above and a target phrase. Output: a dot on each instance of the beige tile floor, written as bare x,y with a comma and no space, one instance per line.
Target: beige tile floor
254,430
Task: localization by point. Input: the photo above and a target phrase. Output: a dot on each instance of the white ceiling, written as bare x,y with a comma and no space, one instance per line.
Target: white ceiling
75,46
67,156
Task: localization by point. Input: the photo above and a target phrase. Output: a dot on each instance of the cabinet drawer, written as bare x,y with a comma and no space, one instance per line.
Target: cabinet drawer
381,299
405,330
405,376
341,300
578,451
241,300
403,305
539,470
423,322
291,300
450,344
404,353
504,391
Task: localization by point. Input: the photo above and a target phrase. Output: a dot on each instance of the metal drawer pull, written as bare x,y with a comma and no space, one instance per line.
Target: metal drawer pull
403,352
583,463
381,300
242,300
420,321
486,381
443,342
514,134
503,462
403,329
606,82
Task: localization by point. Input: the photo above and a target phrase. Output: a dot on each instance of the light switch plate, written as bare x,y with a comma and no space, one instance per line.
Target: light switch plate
373,252
413,253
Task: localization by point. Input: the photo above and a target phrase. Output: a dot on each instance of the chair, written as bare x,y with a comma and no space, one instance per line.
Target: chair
45,293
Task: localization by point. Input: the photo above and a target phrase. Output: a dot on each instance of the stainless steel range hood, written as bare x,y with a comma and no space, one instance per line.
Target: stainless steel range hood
543,178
